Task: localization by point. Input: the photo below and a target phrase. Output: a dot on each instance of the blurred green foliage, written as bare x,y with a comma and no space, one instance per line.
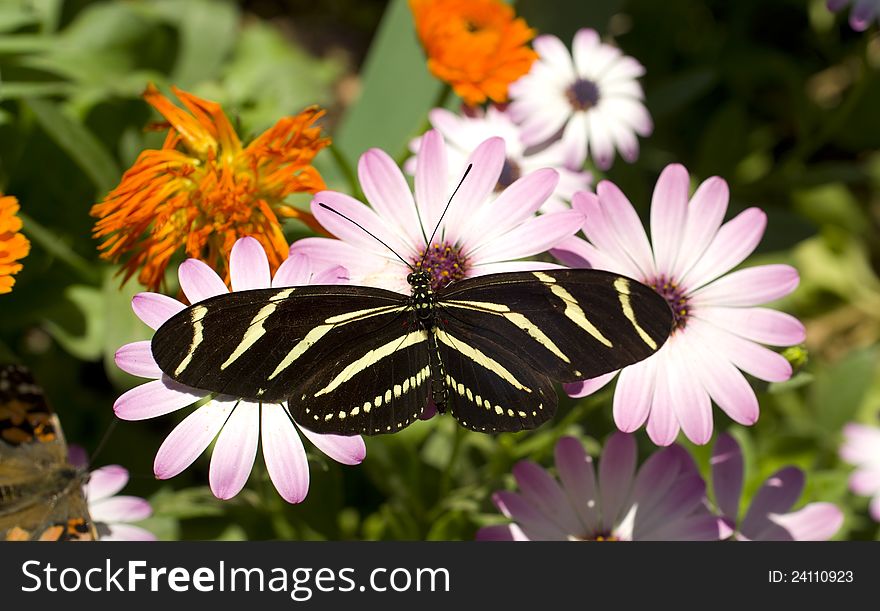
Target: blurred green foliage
780,98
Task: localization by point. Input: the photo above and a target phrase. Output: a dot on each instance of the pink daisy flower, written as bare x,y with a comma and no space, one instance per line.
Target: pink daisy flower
861,447
463,134
769,518
480,234
663,500
862,14
718,328
238,425
111,512
592,96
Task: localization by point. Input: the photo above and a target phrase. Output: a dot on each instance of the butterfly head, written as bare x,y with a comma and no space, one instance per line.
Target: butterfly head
420,281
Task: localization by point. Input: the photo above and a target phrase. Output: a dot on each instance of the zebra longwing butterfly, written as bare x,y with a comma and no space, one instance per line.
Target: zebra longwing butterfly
355,359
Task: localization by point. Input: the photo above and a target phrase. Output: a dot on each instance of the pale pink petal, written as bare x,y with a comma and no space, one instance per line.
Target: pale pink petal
601,142
861,444
692,405
874,508
575,140
583,48
126,532
634,394
704,215
235,451
198,281
531,237
325,252
351,233
628,230
578,476
155,398
105,482
345,449
734,242
545,493
331,275
815,522
534,524
776,495
748,287
295,270
514,205
432,178
865,481
578,253
761,325
154,309
554,52
284,454
120,509
137,359
483,269
497,532
752,358
249,266
604,236
576,390
617,467
191,437
727,475
669,207
486,162
663,425
389,194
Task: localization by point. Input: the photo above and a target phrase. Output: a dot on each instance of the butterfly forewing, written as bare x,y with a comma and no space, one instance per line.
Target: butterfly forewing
567,324
264,344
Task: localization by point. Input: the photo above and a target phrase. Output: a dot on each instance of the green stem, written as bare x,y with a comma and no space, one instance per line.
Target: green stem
55,246
346,168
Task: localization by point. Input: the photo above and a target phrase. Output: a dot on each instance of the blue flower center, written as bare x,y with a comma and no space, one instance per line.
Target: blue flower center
444,262
583,94
676,297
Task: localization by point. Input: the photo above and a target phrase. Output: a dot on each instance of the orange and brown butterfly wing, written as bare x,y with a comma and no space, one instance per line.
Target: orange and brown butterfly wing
41,493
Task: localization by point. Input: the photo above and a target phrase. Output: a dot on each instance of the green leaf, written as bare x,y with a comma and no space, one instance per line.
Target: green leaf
207,34
841,387
78,142
397,89
88,344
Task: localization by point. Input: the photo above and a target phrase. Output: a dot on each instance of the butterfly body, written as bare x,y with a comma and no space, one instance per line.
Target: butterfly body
353,359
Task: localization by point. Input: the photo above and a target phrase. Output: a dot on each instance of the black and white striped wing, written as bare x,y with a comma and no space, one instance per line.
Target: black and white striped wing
568,324
490,386
347,359
504,337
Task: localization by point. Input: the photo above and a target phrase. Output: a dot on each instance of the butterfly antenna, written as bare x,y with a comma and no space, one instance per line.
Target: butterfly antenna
104,439
369,233
440,220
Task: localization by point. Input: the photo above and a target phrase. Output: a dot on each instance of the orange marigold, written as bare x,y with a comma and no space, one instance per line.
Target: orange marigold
203,190
477,46
13,245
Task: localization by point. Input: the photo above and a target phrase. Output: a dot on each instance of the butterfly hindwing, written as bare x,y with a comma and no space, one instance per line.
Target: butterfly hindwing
41,493
568,324
491,388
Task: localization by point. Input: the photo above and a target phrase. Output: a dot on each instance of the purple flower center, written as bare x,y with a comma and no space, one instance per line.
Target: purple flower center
583,94
445,262
510,173
676,297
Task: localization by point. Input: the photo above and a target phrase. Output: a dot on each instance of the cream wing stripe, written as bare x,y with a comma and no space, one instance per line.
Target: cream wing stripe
196,316
481,359
622,286
517,319
574,313
372,357
254,332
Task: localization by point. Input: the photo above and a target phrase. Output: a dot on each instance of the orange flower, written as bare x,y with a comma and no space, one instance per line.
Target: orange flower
203,190
477,46
13,245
